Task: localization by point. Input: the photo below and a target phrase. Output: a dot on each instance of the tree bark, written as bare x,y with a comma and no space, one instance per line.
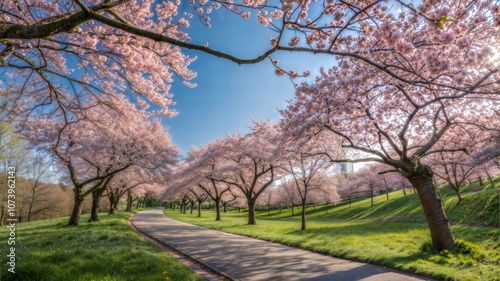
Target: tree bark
457,192
217,209
74,219
490,179
129,201
371,195
251,212
96,198
303,214
439,226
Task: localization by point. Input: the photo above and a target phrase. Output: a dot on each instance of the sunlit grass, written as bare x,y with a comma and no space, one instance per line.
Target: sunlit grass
391,233
107,250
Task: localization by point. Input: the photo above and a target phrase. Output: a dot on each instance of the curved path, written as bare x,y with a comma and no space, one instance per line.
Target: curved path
243,258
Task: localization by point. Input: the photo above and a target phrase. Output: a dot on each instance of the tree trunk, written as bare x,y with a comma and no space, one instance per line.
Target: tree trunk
387,192
251,212
292,211
303,214
129,201
224,207
480,181
371,193
199,209
457,192
192,207
490,179
217,209
96,198
439,226
74,219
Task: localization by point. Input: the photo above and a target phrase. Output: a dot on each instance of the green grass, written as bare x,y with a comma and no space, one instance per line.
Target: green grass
393,233
107,250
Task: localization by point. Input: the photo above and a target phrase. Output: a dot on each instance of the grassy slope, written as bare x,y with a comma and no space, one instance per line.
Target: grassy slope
107,250
392,233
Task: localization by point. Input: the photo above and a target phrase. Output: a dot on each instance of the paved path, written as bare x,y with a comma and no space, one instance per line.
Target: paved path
251,259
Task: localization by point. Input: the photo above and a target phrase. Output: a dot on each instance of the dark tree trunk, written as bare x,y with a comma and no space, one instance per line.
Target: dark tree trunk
111,210
114,199
96,198
184,207
224,207
192,207
480,180
199,209
251,212
439,226
490,179
371,195
129,201
217,209
303,215
74,219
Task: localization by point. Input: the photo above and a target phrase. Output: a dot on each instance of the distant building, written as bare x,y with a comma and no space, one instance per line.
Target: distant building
345,167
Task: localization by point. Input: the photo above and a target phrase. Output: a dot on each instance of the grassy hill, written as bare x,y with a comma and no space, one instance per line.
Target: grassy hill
392,233
109,250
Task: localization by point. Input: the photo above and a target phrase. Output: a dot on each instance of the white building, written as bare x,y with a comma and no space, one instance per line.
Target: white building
345,167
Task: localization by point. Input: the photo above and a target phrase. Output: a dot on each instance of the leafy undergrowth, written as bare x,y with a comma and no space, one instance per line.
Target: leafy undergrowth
391,233
107,250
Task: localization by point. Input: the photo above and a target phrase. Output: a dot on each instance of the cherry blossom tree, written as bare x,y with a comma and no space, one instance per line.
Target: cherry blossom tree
267,198
454,169
310,173
397,123
386,179
227,199
63,54
369,178
123,183
251,162
132,43
102,144
199,195
203,170
287,192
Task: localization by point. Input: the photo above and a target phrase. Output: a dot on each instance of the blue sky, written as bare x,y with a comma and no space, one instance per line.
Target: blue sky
227,94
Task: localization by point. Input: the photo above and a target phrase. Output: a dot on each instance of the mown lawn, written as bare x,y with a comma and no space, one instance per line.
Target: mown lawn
109,250
391,233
